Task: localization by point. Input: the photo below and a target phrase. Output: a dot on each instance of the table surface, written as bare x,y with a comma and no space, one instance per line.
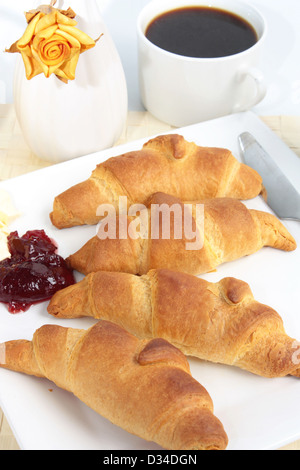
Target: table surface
17,159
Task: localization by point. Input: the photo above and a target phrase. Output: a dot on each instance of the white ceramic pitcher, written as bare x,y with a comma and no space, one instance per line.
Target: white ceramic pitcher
62,121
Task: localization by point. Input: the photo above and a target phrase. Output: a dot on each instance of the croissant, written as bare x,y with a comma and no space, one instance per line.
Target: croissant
167,164
230,231
143,386
218,322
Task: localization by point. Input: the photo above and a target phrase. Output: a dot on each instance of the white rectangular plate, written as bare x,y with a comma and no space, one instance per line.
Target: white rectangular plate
257,413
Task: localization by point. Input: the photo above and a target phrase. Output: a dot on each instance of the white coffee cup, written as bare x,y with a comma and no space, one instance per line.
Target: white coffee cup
182,90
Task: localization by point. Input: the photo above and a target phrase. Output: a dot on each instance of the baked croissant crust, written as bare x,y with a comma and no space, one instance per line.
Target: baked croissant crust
218,322
229,231
167,163
143,386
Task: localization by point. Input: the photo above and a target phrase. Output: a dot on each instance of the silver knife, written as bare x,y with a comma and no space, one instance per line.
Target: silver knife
282,197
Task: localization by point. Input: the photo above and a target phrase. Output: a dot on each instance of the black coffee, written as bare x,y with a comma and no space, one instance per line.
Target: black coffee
201,32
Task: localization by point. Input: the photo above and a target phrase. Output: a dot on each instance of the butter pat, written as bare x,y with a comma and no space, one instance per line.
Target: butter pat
8,212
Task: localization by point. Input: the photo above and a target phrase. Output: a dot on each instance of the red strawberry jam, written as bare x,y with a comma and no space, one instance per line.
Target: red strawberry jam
33,273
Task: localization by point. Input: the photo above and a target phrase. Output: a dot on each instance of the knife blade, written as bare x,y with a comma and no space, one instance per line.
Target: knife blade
282,197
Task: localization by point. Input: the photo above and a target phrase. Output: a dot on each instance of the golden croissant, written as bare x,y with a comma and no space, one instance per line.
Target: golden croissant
230,231
143,386
218,322
167,163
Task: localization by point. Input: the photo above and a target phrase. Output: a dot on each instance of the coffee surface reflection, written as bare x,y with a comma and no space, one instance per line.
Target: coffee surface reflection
202,32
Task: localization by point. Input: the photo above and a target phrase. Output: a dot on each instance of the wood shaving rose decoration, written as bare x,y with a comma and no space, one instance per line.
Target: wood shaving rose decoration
51,43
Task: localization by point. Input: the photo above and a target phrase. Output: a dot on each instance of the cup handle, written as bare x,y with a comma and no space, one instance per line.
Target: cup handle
260,86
